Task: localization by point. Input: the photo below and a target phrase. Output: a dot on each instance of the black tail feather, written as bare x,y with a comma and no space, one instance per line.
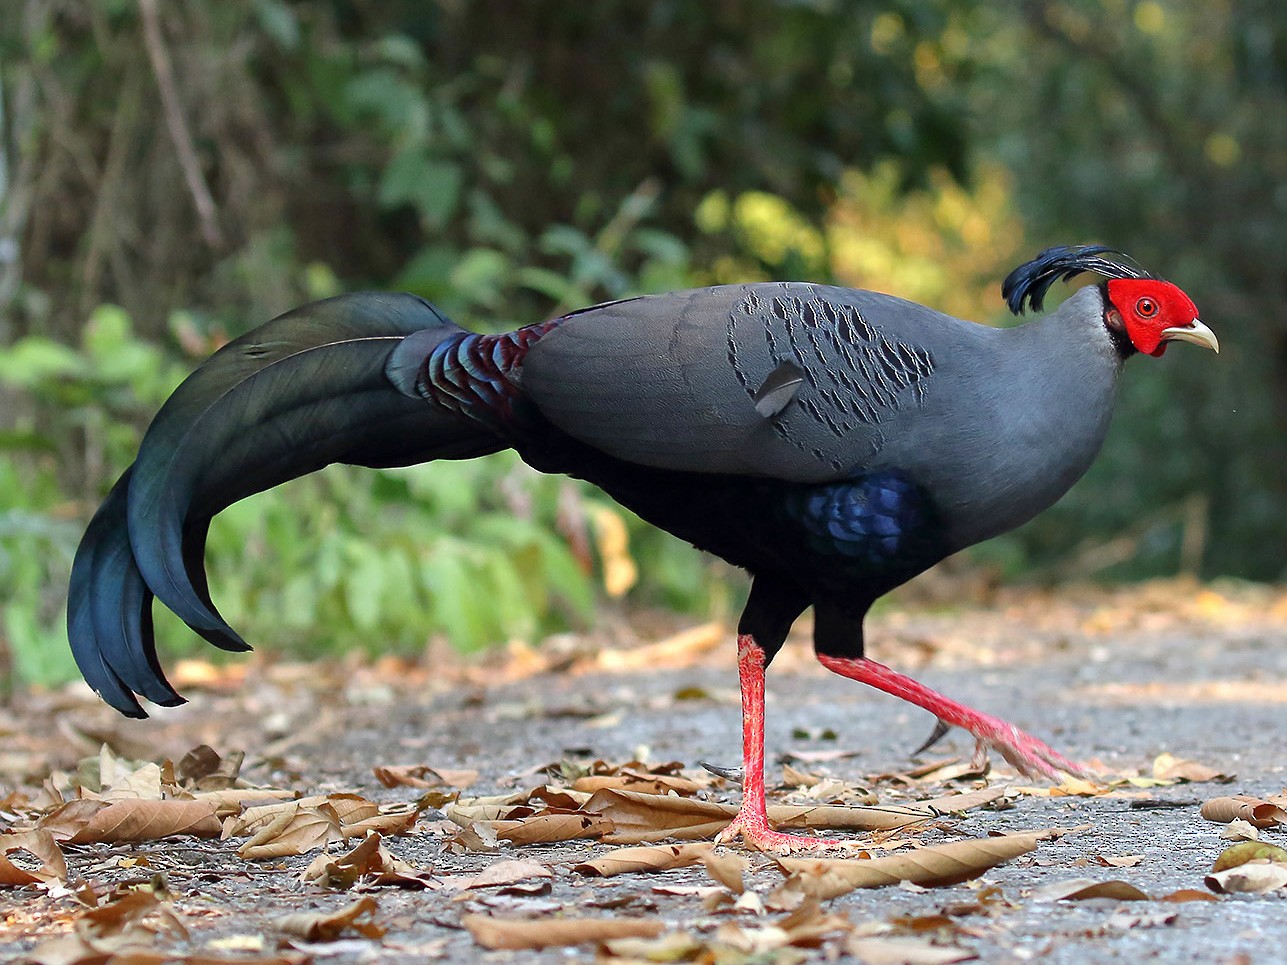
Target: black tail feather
306,390
109,616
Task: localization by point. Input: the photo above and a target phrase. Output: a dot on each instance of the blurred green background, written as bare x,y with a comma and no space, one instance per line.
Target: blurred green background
174,173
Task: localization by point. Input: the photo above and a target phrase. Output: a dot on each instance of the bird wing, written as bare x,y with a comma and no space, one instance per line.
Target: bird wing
786,380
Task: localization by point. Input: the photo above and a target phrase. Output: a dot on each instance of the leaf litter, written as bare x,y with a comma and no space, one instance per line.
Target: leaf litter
351,842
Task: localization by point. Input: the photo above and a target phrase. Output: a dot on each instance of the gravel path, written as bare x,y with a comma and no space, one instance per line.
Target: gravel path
1198,674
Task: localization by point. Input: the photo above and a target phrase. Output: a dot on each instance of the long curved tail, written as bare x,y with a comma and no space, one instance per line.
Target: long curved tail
321,384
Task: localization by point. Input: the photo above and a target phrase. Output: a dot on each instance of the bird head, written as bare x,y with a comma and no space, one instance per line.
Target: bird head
1145,310
1152,312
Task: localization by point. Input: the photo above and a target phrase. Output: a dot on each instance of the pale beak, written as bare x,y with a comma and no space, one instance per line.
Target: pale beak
1194,332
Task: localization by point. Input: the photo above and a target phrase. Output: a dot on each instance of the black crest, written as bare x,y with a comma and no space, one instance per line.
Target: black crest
1031,280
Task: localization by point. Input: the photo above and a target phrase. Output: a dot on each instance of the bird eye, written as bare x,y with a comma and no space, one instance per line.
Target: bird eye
1146,308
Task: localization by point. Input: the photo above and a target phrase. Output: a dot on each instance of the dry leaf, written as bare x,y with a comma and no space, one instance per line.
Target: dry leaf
1239,830
661,857
1078,889
793,778
1188,894
679,650
944,864
964,801
1169,768
84,822
293,829
504,873
368,863
316,926
41,846
516,934
640,818
234,800
629,780
422,775
473,838
1251,877
808,924
554,825
676,946
144,783
904,951
388,819
727,869
1255,811
127,916
952,770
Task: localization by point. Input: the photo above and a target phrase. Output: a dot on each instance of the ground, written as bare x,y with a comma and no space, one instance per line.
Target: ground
1117,678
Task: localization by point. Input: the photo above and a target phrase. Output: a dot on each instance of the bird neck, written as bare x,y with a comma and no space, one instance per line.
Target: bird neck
1045,393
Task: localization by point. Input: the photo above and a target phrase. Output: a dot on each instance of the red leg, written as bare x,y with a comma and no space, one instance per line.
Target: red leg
752,821
1029,755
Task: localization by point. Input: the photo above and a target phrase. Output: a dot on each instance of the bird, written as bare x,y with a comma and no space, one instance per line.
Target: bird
833,443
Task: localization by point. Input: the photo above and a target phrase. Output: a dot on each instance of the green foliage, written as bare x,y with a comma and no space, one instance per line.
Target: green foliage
513,167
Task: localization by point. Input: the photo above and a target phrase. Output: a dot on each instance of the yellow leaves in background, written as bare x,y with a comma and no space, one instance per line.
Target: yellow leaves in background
613,542
943,244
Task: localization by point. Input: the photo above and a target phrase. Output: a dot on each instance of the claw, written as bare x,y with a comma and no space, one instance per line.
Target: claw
941,727
731,774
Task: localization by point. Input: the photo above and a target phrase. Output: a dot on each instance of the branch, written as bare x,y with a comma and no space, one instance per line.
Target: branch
178,125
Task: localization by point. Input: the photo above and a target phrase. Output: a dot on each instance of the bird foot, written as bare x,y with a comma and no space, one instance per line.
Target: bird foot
755,833
1029,756
1026,754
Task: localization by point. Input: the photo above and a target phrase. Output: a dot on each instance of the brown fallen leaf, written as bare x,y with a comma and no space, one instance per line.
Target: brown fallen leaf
292,829
1167,767
1239,830
808,924
1255,811
502,873
661,857
641,818
422,775
727,869
316,926
1250,877
944,864
234,800
1079,889
963,801
137,912
952,770
1188,894
143,782
675,946
554,825
796,778
204,769
678,650
1069,787
385,819
629,780
369,863
904,951
41,846
517,934
476,837
85,822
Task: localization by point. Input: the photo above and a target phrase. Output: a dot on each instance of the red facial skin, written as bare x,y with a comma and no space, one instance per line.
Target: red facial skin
1144,307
